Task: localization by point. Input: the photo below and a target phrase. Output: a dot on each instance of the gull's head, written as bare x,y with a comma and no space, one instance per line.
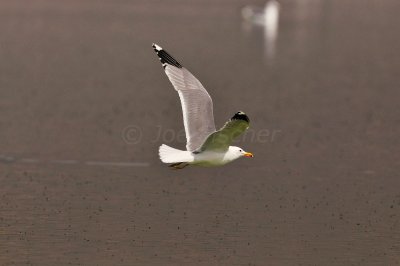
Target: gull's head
238,152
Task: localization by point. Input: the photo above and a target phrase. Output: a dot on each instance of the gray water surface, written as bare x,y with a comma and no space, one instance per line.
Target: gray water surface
84,105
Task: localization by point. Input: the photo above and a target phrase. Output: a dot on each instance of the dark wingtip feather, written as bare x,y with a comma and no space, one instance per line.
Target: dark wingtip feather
241,116
165,58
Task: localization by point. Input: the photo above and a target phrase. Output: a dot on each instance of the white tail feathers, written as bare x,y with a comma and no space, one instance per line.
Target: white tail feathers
172,155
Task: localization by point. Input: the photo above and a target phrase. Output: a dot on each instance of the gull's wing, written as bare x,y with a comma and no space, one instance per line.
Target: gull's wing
197,106
220,140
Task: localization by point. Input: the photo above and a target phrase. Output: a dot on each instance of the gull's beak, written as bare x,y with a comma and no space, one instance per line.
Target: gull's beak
248,154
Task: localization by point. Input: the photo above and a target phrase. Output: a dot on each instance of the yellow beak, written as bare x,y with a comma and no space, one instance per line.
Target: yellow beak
248,154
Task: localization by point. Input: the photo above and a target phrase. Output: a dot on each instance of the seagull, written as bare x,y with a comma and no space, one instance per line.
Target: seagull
205,145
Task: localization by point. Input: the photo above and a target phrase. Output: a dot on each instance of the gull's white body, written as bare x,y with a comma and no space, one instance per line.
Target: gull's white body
206,158
205,146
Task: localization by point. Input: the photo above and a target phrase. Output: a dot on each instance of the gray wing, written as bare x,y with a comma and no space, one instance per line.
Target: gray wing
220,140
197,106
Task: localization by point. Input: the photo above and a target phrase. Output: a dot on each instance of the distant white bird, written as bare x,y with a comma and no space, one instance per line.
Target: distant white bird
205,146
268,18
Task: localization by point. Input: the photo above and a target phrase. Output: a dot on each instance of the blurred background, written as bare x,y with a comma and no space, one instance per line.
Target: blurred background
85,104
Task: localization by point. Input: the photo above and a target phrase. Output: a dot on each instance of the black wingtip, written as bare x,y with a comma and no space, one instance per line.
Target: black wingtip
156,47
165,58
241,116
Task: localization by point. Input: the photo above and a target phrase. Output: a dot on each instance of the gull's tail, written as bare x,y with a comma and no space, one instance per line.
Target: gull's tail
174,156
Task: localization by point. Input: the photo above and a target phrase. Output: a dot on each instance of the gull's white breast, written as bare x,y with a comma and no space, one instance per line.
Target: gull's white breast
209,158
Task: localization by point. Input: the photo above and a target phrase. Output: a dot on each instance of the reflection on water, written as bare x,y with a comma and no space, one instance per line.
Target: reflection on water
271,17
268,18
306,22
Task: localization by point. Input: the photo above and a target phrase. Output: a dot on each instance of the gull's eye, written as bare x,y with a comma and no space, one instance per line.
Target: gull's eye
240,150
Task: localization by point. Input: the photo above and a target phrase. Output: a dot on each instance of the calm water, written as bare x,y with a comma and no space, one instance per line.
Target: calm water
84,105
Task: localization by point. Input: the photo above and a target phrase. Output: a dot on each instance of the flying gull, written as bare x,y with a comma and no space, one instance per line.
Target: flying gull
205,145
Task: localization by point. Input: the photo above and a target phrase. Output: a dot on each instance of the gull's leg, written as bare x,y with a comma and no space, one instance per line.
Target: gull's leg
178,166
